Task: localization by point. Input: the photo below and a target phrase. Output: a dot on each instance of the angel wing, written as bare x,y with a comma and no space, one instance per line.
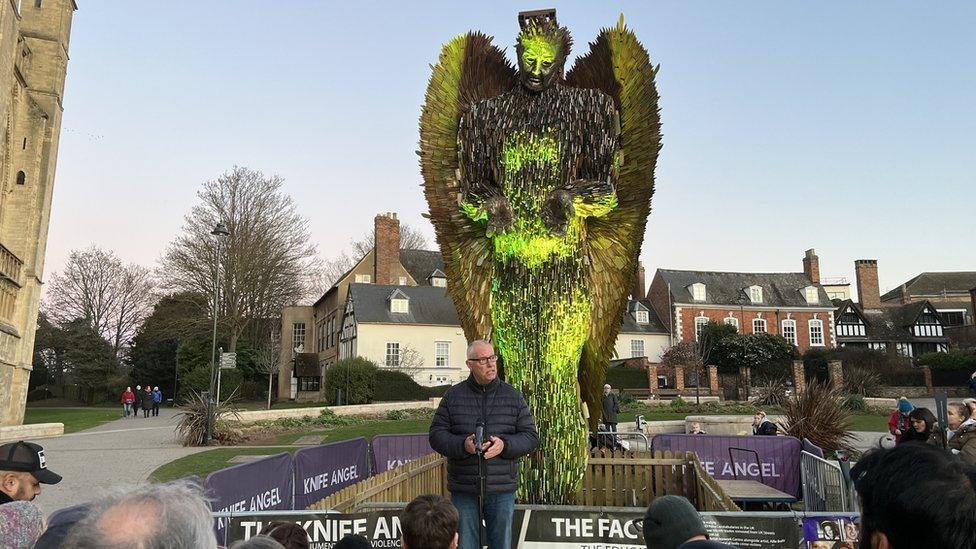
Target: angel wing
469,69
619,65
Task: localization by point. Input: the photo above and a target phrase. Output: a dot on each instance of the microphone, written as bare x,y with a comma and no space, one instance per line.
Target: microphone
479,437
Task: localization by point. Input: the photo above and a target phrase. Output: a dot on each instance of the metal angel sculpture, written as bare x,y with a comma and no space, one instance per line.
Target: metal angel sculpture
539,186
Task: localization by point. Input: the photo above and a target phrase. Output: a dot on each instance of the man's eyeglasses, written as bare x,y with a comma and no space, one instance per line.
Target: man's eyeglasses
484,360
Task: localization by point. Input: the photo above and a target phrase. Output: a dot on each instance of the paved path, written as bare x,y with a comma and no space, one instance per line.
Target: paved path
124,451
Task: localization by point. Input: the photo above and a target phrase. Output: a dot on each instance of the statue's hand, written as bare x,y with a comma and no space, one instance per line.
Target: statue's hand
500,216
557,210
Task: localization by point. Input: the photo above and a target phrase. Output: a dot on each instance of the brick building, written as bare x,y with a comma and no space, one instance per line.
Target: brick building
948,292
910,328
793,305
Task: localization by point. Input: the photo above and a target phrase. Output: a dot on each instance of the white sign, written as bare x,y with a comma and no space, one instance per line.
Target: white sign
228,361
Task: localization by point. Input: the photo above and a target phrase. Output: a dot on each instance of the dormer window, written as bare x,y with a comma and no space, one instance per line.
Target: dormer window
364,278
438,279
755,294
812,295
697,291
642,316
399,302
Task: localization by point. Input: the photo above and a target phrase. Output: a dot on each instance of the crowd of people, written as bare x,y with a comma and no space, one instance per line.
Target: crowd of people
148,398
910,424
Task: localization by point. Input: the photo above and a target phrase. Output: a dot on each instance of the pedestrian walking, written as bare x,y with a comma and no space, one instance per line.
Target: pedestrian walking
483,405
147,401
128,397
157,399
137,403
611,407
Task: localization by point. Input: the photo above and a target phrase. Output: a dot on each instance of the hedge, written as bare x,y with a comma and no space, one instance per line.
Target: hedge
955,359
355,377
627,378
394,386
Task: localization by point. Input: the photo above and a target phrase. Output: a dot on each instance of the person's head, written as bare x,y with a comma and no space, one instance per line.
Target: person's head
904,406
922,420
829,529
956,414
138,387
158,515
850,530
59,524
257,542
352,541
758,417
128,388
156,388
147,389
23,468
821,545
542,48
288,534
482,361
971,404
842,545
21,523
429,522
607,389
671,521
914,495
695,427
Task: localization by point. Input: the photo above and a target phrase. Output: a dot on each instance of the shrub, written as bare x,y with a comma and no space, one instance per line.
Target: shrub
198,379
623,377
394,386
678,402
817,414
764,354
355,377
396,415
860,381
770,390
191,422
956,359
815,364
854,403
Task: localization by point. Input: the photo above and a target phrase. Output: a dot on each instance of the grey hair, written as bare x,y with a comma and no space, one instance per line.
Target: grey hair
258,542
476,343
181,519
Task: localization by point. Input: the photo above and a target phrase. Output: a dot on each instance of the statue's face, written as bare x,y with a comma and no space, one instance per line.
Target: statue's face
537,62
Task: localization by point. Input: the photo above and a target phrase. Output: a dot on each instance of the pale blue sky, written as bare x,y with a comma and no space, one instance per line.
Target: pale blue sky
844,126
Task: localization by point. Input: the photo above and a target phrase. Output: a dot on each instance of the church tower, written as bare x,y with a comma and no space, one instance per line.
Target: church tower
34,38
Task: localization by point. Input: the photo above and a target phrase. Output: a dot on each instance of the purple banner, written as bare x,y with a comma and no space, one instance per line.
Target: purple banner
812,448
261,485
323,470
391,451
774,461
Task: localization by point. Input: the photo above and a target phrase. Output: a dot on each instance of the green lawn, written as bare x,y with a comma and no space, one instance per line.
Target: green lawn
869,422
204,463
368,430
74,419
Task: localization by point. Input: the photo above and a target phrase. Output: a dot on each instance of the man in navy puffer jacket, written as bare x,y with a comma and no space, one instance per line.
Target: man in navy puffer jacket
509,433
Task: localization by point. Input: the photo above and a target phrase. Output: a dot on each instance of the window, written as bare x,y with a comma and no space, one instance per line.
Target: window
309,383
364,279
298,336
759,325
402,281
636,348
21,177
732,321
642,317
756,294
438,281
953,318
812,295
442,354
399,305
789,331
392,354
928,325
698,291
816,333
700,323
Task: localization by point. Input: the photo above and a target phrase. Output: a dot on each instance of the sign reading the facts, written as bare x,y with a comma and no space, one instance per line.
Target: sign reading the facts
324,470
774,461
391,451
261,485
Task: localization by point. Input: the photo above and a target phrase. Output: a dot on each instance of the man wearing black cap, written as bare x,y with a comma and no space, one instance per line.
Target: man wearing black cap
23,468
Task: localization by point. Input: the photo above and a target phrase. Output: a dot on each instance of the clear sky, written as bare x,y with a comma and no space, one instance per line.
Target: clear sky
848,127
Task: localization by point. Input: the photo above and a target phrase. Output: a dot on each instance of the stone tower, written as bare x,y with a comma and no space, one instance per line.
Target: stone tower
33,60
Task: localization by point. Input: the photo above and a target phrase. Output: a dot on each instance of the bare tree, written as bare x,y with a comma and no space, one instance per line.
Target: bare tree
410,239
411,361
97,286
265,262
269,357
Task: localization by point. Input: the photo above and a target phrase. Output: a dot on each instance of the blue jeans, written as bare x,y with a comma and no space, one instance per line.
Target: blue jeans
126,409
499,509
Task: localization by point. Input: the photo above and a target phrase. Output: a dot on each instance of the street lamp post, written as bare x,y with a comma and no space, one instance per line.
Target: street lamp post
220,232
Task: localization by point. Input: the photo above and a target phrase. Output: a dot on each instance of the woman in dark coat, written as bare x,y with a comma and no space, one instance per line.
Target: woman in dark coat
925,428
146,401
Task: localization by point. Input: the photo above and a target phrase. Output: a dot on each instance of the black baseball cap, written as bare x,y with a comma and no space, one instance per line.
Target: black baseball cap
29,458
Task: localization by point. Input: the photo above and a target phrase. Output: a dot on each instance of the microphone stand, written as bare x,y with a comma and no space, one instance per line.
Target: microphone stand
479,442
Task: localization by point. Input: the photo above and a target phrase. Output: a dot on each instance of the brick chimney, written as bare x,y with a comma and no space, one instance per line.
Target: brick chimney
811,266
639,291
386,247
868,290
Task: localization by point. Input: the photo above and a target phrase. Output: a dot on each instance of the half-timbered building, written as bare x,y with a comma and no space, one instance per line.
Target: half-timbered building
909,330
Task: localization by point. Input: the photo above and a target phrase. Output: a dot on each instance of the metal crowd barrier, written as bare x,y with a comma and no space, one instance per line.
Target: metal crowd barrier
627,435
825,487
